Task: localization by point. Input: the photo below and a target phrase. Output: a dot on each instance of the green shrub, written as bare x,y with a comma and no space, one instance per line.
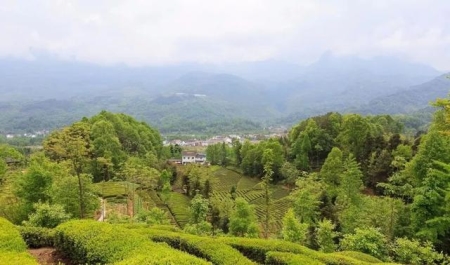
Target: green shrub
170,228
157,253
15,258
257,249
369,241
203,247
416,252
37,237
359,256
47,215
94,242
285,258
10,239
12,247
337,259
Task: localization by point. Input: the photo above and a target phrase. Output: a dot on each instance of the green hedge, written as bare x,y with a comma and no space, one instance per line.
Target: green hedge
10,239
257,249
360,256
170,228
12,247
37,237
285,258
16,258
94,242
204,247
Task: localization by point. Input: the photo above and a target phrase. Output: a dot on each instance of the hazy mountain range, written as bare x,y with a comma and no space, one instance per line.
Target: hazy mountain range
47,93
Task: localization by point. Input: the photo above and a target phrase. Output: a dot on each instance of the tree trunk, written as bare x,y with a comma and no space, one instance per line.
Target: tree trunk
80,191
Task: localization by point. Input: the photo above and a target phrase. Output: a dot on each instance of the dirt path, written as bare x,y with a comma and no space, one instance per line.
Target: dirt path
102,216
48,256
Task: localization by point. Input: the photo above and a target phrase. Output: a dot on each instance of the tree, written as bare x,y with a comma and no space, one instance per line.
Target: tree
243,220
198,180
224,155
34,184
72,144
63,193
166,188
221,209
293,230
201,229
369,241
431,206
268,172
107,149
444,121
325,236
8,153
302,149
236,146
155,216
289,173
198,209
135,170
307,199
213,154
47,215
416,253
433,147
354,132
379,168
3,169
332,169
351,182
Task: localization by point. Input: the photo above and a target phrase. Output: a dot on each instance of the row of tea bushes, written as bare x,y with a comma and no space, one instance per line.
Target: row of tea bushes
281,258
204,247
37,237
91,242
223,250
12,247
258,249
286,258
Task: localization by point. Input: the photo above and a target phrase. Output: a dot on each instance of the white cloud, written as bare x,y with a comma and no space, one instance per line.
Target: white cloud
171,31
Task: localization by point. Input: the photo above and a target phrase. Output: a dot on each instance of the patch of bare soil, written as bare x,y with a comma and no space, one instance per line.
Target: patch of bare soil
48,256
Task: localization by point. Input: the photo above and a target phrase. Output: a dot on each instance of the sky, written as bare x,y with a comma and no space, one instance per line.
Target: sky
151,32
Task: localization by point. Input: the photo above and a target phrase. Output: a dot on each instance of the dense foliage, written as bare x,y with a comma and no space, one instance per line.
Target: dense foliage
334,183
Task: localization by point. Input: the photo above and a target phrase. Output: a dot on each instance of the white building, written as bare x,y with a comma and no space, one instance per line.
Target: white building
188,157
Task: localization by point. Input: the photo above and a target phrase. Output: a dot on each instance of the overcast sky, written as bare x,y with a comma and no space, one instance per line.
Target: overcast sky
151,32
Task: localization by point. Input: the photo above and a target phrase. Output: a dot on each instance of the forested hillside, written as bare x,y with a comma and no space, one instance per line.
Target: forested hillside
336,182
195,98
414,99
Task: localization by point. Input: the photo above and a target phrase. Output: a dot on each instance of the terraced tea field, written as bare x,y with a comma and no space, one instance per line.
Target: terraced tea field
114,188
179,207
251,190
117,195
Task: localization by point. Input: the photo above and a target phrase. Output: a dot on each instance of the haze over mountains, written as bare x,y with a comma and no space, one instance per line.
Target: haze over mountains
46,93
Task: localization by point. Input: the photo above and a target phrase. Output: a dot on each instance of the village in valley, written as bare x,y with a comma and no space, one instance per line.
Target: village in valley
194,150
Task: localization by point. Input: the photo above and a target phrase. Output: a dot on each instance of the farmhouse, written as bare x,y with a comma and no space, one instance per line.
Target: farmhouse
188,157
